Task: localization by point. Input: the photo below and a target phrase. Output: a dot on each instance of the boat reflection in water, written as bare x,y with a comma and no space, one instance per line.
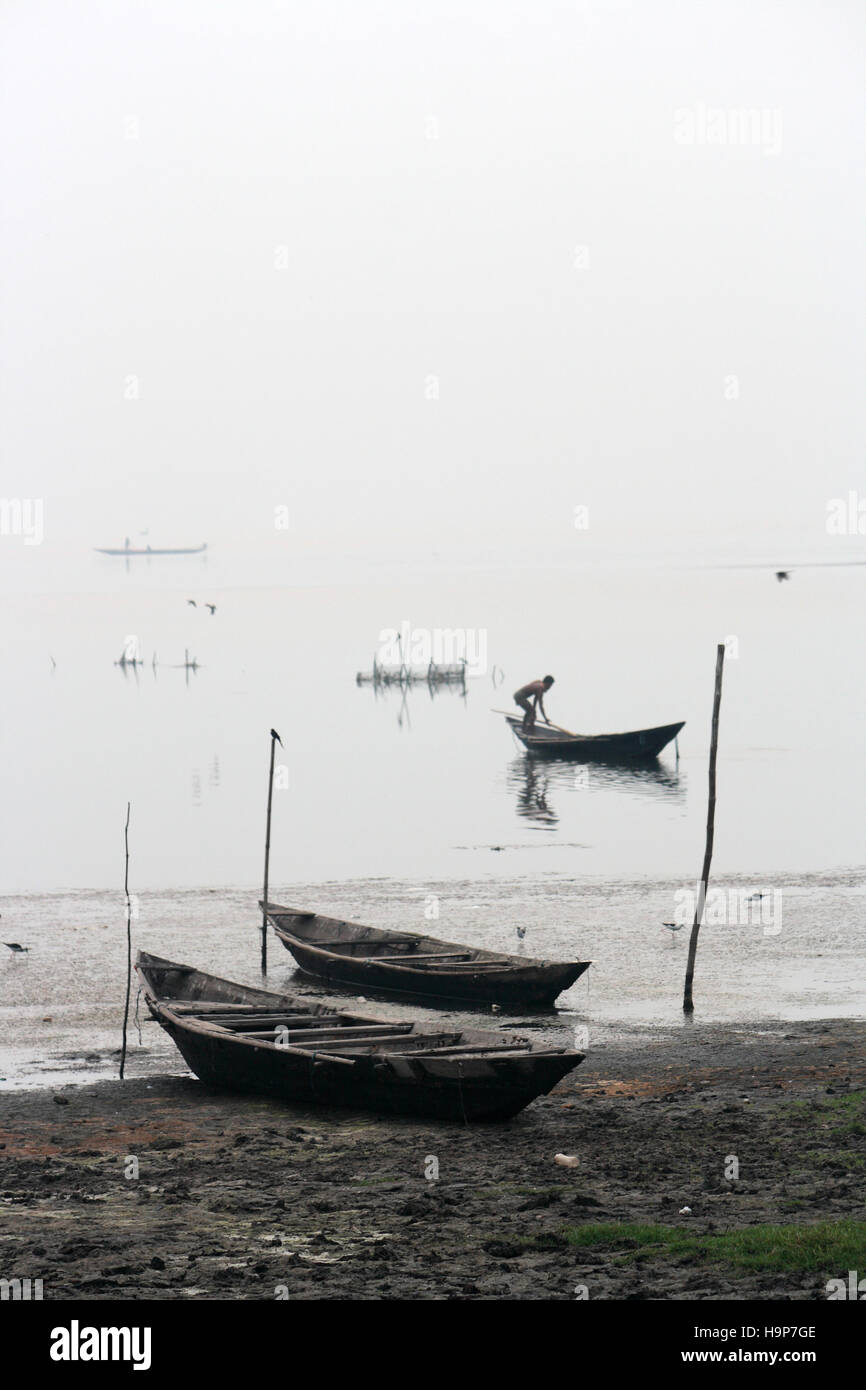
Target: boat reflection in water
539,782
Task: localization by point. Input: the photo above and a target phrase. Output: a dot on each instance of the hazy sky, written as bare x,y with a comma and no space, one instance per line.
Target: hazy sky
430,275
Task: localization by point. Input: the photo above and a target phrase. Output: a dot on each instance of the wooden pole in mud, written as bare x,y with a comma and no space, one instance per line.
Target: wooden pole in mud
275,739
688,1001
128,942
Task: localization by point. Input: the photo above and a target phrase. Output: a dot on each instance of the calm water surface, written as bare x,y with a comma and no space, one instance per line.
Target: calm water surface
385,801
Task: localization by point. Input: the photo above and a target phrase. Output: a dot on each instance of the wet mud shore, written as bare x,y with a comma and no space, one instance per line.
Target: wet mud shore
160,1188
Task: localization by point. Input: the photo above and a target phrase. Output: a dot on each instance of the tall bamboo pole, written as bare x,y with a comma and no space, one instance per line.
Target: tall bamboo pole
128,942
688,1001
275,739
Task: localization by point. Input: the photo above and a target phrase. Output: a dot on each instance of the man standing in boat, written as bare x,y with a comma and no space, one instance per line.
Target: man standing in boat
530,698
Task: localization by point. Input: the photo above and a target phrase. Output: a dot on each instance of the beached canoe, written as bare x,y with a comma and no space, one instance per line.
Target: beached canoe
638,746
253,1041
370,959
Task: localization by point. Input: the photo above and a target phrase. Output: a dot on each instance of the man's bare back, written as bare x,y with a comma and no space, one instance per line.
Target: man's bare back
530,698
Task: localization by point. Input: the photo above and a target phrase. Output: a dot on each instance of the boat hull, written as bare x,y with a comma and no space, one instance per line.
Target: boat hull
348,955
477,1091
537,986
640,745
408,1072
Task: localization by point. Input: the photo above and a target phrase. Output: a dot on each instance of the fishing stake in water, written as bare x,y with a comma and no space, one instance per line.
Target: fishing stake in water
128,942
275,739
688,1002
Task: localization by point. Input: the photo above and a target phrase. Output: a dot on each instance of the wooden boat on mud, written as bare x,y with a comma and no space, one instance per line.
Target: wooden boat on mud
640,745
368,959
251,1040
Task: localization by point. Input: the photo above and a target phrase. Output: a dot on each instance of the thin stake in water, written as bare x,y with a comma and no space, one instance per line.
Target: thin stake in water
688,1001
275,739
128,942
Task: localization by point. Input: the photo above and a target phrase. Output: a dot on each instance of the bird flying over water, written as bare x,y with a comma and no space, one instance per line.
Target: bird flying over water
782,574
212,607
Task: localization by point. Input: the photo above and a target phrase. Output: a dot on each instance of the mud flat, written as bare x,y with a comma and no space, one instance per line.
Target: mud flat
243,1198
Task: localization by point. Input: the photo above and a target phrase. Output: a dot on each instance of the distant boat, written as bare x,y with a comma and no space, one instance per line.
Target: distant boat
149,550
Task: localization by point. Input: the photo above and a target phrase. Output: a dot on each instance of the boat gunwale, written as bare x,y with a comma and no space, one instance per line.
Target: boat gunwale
557,736
209,1028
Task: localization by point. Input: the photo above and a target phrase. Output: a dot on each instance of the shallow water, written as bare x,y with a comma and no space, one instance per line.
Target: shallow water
387,800
433,785
62,1001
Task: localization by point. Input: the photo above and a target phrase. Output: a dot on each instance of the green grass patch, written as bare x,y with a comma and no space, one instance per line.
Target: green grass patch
843,1157
840,1117
825,1247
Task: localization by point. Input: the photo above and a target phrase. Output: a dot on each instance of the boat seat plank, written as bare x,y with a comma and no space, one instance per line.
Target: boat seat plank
260,1016
432,955
470,965
412,1046
290,1051
480,1053
333,1034
254,1025
209,1006
335,1044
464,1049
357,941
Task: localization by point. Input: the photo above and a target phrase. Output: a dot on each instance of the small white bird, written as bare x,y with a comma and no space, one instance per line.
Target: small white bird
673,926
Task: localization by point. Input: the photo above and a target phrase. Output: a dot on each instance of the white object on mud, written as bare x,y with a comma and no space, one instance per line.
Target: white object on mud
685,1211
566,1160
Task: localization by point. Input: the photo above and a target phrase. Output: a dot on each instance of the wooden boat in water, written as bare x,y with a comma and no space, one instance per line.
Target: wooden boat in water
251,1040
638,746
370,959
